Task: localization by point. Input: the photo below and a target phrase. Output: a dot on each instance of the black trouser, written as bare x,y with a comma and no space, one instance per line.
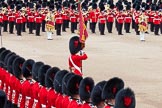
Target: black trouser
93,27
127,27
120,26
157,26
27,25
90,24
23,27
109,26
18,27
64,26
73,27
34,26
11,26
161,27
5,23
43,25
76,25
14,106
102,28
116,24
85,23
136,28
67,23
152,27
37,31
133,23
58,29
30,27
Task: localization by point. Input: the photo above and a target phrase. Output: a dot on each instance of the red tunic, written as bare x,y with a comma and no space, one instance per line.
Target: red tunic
43,97
74,104
65,101
51,96
77,60
58,101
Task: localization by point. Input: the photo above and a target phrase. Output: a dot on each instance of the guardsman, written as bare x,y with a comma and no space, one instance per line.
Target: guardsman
58,20
66,97
120,21
136,19
93,16
36,87
19,21
111,88
85,89
73,21
96,95
51,93
1,22
11,19
64,16
125,98
5,17
58,87
151,17
43,14
18,62
77,55
73,91
43,90
30,18
128,19
38,22
102,21
110,19
24,10
157,21
26,89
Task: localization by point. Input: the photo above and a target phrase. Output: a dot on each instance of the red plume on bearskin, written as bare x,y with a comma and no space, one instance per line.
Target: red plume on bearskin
125,98
112,87
85,88
73,85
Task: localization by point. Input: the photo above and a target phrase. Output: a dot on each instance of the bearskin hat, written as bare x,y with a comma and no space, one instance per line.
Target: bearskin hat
41,74
17,66
128,7
57,83
102,7
4,54
112,87
97,92
18,7
94,6
44,4
137,7
3,99
12,6
50,76
85,88
75,45
8,56
2,49
27,68
35,70
2,57
10,62
73,85
64,82
73,7
125,98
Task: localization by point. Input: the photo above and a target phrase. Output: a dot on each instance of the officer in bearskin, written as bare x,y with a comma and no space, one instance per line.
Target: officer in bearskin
77,55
